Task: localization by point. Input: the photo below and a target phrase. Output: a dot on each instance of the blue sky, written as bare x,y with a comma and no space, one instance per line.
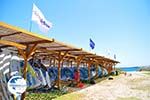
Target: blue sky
120,27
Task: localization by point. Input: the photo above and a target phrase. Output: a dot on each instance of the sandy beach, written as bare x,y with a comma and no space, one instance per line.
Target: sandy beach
133,86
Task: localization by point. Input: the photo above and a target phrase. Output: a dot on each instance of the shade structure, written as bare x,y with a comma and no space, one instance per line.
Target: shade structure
27,44
47,45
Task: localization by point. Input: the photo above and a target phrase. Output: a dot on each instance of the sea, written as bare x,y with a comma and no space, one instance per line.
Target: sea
130,69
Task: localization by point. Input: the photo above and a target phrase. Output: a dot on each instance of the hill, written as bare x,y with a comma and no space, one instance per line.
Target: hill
145,68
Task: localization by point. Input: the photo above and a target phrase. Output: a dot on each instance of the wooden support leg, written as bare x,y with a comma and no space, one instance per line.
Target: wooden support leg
89,72
60,60
78,60
26,55
59,74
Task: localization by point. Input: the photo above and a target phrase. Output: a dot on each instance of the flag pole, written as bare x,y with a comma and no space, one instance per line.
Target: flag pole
30,27
89,47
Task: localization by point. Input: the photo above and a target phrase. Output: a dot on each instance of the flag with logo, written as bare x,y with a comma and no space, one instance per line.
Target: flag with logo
92,44
39,18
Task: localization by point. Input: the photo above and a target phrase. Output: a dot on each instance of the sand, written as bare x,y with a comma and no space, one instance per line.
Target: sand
133,86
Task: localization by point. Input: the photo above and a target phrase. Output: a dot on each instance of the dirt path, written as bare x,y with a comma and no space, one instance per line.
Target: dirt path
135,87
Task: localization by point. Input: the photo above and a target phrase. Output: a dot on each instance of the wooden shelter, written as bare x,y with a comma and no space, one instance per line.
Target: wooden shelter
28,43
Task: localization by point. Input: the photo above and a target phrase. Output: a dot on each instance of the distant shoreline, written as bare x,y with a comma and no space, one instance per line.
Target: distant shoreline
135,68
130,69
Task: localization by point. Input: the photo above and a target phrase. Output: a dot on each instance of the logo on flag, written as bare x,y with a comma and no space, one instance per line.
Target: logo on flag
39,18
92,44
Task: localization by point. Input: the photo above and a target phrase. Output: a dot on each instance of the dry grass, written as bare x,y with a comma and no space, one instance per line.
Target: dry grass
72,96
128,98
143,88
141,83
146,72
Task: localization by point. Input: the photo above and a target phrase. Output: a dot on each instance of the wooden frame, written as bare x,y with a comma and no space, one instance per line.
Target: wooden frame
28,43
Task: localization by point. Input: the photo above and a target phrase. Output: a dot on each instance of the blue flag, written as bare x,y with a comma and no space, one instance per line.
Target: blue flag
92,44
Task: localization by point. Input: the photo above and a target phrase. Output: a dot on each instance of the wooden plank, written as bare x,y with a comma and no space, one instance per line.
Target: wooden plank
53,52
1,36
56,46
7,26
37,42
17,45
66,49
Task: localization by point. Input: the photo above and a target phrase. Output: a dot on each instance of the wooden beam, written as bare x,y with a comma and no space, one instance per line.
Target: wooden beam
79,58
66,49
55,52
78,53
4,35
46,50
17,45
32,49
22,53
37,42
56,46
64,54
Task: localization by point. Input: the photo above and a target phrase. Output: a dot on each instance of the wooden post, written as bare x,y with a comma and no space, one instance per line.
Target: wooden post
78,60
71,63
59,70
78,64
62,64
97,64
50,62
26,55
60,59
114,64
67,62
109,66
54,62
25,68
89,72
103,66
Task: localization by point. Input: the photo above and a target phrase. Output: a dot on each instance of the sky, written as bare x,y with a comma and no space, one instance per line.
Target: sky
120,27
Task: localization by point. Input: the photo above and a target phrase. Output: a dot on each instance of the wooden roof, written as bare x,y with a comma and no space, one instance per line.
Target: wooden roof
45,46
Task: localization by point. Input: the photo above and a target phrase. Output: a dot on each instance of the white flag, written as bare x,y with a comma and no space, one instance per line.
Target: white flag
39,18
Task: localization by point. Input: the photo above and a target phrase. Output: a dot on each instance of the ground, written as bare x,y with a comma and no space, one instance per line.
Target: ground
135,86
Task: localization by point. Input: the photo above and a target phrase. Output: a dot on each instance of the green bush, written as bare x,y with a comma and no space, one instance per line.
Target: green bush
44,96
